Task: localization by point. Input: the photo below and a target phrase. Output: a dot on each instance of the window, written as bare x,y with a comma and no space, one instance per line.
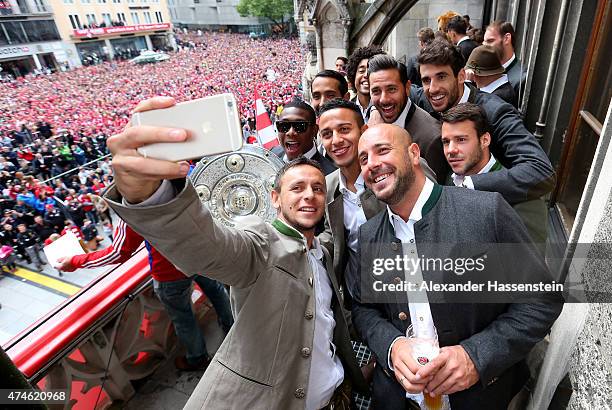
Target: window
101,1
85,1
158,17
15,32
135,18
147,17
3,39
106,17
91,19
74,21
68,1
116,1
40,6
121,18
40,30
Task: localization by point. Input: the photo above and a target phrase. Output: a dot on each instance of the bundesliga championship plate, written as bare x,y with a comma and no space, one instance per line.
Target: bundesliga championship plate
237,184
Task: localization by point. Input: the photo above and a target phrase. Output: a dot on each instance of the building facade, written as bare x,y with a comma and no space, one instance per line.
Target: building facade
212,15
29,39
101,30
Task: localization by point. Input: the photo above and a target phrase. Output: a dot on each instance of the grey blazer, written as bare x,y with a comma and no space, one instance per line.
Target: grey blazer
529,173
264,361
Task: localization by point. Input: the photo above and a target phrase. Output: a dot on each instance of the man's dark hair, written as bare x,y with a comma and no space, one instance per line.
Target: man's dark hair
356,57
299,161
503,28
343,59
466,17
343,85
441,52
386,62
457,24
303,105
342,103
426,35
467,112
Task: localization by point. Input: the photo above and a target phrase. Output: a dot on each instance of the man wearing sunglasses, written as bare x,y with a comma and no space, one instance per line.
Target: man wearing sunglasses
297,130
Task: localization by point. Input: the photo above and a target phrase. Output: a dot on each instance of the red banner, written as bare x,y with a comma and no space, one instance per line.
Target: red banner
105,31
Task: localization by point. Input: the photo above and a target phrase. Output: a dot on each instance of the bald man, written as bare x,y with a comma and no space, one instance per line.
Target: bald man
483,346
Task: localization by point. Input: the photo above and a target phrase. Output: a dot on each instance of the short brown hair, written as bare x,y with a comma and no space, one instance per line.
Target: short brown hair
503,28
467,112
426,35
441,52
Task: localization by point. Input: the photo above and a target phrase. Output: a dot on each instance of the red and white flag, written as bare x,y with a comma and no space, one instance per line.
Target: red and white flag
263,125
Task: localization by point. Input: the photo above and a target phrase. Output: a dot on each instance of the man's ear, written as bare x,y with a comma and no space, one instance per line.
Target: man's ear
364,127
461,76
485,139
416,153
408,86
275,196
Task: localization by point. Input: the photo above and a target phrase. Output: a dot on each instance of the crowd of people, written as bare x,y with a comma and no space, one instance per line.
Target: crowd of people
53,127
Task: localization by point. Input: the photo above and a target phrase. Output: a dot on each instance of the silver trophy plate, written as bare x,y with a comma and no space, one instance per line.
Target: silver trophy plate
237,184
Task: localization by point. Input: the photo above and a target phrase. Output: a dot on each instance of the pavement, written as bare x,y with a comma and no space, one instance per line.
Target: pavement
28,294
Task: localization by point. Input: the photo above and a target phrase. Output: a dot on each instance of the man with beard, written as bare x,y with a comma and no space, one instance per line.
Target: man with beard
357,74
466,143
389,90
289,347
483,346
529,174
500,35
297,130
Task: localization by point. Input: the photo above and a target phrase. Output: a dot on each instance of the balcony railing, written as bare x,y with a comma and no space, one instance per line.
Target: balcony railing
112,332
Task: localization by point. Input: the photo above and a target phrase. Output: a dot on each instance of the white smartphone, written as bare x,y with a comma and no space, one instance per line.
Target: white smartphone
212,124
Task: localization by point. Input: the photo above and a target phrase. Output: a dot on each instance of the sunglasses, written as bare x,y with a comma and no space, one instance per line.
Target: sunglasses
298,126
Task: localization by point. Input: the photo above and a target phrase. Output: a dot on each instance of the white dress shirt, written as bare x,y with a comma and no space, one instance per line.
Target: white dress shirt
326,371
507,63
463,39
402,117
460,180
354,217
495,84
420,313
308,154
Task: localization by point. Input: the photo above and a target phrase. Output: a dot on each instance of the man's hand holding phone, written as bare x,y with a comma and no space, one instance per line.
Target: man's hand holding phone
137,177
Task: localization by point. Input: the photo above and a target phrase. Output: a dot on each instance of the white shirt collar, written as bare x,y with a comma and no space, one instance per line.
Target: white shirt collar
466,94
359,184
462,39
402,117
458,179
507,63
309,154
417,211
495,84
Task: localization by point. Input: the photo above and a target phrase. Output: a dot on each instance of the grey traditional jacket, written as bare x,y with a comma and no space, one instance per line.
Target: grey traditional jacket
497,336
264,362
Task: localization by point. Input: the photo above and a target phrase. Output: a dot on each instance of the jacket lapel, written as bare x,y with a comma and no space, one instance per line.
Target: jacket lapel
370,205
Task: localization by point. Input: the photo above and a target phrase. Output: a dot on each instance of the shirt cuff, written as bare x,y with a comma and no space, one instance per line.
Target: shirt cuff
389,352
468,183
164,194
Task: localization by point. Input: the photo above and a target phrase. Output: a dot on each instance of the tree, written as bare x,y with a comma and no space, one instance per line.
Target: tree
275,10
